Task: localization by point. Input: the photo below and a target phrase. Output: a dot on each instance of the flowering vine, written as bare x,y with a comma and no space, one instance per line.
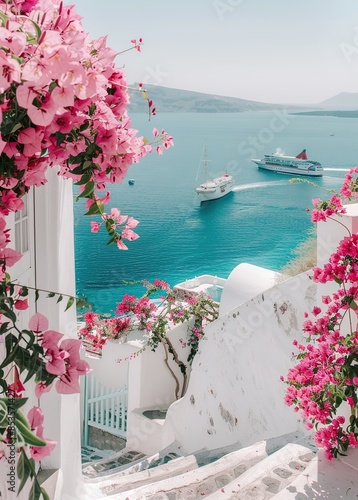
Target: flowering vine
326,373
62,105
157,320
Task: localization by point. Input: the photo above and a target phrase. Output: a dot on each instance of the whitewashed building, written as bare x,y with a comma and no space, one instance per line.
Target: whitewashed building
234,397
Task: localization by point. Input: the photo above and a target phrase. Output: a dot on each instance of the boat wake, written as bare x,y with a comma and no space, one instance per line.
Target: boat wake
337,169
255,185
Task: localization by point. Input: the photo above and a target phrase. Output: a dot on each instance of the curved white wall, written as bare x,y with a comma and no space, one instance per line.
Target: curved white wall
235,393
245,282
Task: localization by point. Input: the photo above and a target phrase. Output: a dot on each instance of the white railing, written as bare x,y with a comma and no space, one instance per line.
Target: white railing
104,408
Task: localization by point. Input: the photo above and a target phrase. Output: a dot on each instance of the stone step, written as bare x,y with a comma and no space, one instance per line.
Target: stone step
200,482
113,463
334,479
268,477
104,469
90,454
119,483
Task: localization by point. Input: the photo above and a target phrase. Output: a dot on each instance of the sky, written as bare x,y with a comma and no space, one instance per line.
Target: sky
276,51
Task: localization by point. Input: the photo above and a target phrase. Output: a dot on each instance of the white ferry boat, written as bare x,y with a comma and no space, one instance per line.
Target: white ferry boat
212,189
296,165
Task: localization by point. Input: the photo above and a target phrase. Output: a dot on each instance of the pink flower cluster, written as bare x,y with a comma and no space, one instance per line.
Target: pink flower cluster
36,417
8,256
324,209
63,360
349,187
326,372
144,314
98,330
62,102
112,221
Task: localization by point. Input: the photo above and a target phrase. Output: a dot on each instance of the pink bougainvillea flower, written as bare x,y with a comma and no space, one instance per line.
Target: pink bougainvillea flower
10,71
9,202
38,323
9,256
68,383
131,223
21,305
41,388
38,453
25,94
128,234
121,245
43,112
95,226
63,96
16,389
35,417
14,41
56,361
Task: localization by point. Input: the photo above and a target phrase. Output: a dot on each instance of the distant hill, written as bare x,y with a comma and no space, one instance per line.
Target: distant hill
166,99
342,101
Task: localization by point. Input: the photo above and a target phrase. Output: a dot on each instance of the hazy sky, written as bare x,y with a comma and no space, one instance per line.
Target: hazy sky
282,51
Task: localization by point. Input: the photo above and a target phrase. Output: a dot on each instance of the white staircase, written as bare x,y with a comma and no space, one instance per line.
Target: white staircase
267,478
254,472
266,470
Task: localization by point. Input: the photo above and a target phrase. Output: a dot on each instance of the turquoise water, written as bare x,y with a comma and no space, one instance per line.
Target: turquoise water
260,222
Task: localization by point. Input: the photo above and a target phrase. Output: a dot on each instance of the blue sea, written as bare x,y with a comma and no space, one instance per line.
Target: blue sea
261,222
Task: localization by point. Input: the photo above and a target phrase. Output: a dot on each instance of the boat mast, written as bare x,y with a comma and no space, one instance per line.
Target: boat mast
205,162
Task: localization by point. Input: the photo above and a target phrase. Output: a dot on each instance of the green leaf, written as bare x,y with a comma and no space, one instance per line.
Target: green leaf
92,109
11,350
84,126
29,437
4,327
20,416
3,413
44,494
84,179
60,297
36,26
76,159
31,340
22,472
15,402
95,208
52,86
60,138
4,19
70,302
32,366
88,190
338,401
86,164
112,240
51,294
9,313
337,280
77,170
37,295
16,127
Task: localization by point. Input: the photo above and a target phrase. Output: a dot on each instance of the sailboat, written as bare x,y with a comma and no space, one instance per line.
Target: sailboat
212,189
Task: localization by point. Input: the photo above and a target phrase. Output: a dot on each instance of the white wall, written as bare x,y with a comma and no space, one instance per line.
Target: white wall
245,282
235,393
54,266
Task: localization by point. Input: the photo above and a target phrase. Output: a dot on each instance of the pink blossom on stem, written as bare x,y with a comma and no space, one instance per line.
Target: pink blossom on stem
38,453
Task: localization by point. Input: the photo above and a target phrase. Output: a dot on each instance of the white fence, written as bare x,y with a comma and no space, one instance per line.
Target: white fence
104,408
